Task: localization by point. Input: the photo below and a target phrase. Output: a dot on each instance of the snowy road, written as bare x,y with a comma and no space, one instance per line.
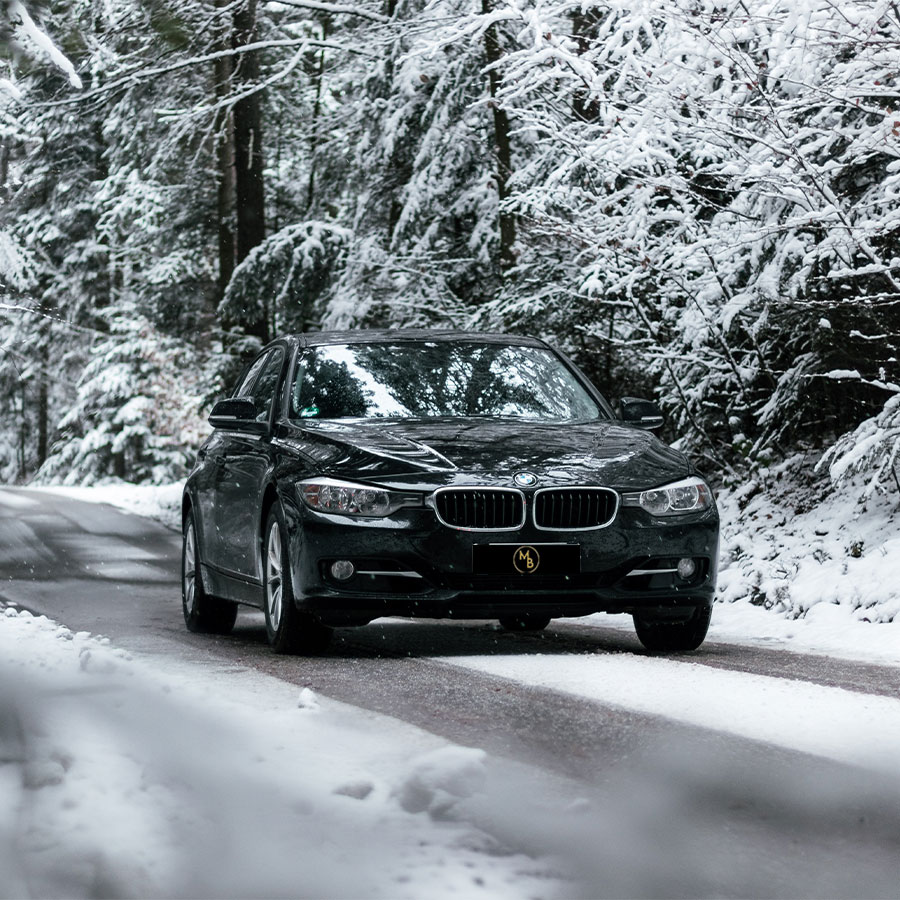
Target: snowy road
733,771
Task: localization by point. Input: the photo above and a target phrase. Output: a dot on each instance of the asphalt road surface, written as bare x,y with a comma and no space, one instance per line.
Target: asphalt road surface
697,811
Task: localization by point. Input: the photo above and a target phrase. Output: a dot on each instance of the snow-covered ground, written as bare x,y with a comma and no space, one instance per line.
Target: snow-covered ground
809,568
119,780
121,777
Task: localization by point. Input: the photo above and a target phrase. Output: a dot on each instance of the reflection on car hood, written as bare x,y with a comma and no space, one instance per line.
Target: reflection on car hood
418,453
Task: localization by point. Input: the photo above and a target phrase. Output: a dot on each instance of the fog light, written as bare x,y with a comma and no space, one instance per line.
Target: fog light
686,568
342,570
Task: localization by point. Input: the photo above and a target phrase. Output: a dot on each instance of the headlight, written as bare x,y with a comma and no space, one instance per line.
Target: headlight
687,496
344,498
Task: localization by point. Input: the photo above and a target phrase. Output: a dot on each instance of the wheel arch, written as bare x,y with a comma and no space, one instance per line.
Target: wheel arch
187,507
269,499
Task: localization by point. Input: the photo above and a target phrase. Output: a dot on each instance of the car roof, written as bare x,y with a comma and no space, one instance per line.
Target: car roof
410,335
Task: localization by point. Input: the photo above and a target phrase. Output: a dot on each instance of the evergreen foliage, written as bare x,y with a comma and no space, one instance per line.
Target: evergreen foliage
134,413
694,199
288,279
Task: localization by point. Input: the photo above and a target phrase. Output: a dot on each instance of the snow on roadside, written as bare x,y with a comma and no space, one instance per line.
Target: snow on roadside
810,568
116,780
153,501
844,726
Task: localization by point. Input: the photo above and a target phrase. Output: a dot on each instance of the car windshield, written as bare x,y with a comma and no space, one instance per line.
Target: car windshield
439,378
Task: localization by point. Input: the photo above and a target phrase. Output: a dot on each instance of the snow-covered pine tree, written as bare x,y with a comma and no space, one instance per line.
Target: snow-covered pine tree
729,175
136,413
427,247
289,279
114,215
42,162
17,419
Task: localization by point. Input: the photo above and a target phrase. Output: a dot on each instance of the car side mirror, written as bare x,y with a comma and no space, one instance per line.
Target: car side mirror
641,413
237,414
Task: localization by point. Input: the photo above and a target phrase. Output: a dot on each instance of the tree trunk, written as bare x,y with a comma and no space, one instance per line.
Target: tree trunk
23,433
4,167
248,152
248,145
317,109
43,409
502,146
224,138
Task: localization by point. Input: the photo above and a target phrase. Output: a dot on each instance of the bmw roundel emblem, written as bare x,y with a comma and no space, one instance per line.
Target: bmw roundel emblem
525,479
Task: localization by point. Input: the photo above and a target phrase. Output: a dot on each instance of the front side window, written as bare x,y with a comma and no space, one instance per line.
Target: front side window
263,393
246,383
436,379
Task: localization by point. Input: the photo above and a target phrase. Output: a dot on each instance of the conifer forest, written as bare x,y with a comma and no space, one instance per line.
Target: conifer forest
697,200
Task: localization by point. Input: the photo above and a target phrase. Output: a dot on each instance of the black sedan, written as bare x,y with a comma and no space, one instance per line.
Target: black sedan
353,475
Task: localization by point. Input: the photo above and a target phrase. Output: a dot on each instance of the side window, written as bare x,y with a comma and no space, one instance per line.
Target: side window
266,385
300,390
246,383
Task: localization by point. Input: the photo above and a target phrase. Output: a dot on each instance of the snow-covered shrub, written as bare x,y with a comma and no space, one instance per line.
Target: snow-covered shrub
136,415
869,451
287,280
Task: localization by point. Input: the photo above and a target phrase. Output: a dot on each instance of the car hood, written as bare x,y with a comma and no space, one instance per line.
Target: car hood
415,454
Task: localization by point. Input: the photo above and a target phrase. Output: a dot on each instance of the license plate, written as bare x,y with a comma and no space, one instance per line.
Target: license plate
526,559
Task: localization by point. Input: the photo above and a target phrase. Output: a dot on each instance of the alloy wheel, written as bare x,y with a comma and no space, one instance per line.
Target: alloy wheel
189,570
274,576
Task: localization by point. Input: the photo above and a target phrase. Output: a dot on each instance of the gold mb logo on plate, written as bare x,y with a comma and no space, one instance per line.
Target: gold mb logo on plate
526,560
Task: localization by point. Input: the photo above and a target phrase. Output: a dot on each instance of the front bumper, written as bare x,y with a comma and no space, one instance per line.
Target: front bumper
411,565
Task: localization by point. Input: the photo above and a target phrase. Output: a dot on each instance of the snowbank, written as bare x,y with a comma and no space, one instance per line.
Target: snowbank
154,501
812,567
117,781
829,722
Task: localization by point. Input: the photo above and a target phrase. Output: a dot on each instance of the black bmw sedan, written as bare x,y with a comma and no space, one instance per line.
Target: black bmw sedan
353,475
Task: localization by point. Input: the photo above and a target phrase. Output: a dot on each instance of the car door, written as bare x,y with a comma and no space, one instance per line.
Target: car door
211,463
241,477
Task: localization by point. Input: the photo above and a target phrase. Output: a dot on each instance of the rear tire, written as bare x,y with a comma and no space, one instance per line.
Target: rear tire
203,614
524,622
290,630
673,637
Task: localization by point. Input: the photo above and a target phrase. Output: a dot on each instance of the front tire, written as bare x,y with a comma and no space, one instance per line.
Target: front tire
289,629
202,614
673,637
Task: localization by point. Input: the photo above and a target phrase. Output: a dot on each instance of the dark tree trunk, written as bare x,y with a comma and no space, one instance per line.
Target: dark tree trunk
224,137
43,409
248,145
502,146
248,152
23,434
317,109
4,167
